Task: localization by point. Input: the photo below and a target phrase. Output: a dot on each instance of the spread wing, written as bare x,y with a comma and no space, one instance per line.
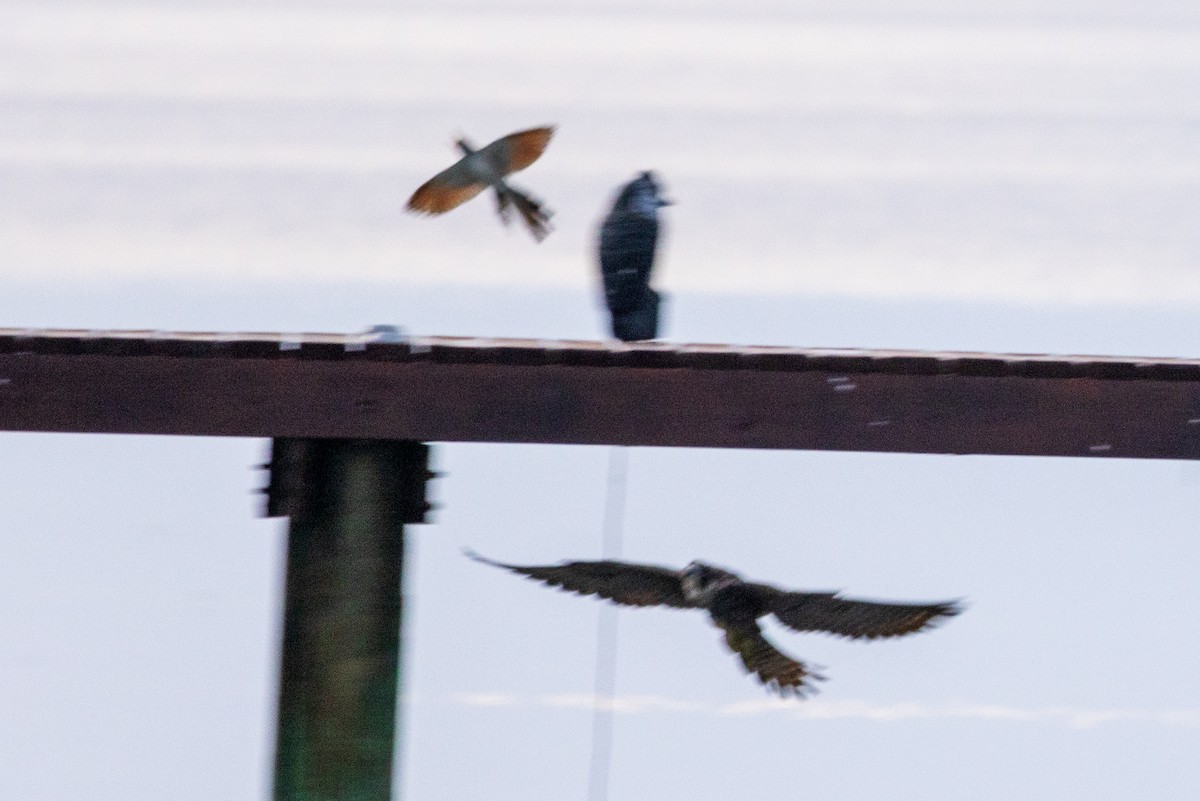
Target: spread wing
456,185
517,151
622,582
448,189
848,617
775,669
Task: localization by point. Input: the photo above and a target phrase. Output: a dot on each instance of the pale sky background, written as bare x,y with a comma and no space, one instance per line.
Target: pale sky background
1016,176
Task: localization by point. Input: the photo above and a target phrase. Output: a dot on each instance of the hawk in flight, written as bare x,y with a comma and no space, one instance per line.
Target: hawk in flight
628,240
735,606
488,166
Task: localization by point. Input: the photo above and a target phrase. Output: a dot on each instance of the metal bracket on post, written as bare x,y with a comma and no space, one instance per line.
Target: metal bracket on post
295,474
348,501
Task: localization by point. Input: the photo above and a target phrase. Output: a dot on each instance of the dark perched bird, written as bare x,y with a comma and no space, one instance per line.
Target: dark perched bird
735,607
488,166
628,241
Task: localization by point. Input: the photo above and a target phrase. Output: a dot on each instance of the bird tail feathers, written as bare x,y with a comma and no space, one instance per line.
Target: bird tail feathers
779,672
535,215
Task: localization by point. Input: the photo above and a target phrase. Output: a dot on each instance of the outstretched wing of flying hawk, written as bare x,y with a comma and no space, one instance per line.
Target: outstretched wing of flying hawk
735,607
624,583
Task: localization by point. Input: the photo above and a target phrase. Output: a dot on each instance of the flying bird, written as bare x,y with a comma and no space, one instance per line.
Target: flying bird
488,166
735,606
628,242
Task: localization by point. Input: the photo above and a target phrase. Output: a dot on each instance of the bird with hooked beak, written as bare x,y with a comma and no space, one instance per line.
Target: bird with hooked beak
628,245
735,606
489,166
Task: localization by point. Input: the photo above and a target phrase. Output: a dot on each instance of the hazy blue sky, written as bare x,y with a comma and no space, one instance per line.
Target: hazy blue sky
1010,176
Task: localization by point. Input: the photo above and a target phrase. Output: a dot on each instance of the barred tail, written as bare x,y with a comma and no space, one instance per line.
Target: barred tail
536,216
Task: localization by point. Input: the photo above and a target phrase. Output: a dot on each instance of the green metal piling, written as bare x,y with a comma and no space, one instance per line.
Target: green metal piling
348,501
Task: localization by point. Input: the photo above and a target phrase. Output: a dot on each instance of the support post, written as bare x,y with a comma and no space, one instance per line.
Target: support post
348,501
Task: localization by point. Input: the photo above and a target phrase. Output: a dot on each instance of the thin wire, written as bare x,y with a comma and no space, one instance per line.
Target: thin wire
606,631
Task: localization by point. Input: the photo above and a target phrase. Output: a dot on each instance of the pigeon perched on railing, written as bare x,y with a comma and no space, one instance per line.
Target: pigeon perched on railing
735,605
488,166
628,242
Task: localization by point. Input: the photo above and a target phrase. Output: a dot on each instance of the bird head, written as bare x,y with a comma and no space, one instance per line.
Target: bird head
641,196
649,178
464,145
700,580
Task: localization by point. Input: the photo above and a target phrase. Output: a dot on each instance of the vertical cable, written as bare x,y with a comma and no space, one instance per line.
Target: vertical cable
606,631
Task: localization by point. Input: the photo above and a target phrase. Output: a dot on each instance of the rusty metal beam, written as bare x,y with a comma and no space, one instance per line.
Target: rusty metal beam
446,389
